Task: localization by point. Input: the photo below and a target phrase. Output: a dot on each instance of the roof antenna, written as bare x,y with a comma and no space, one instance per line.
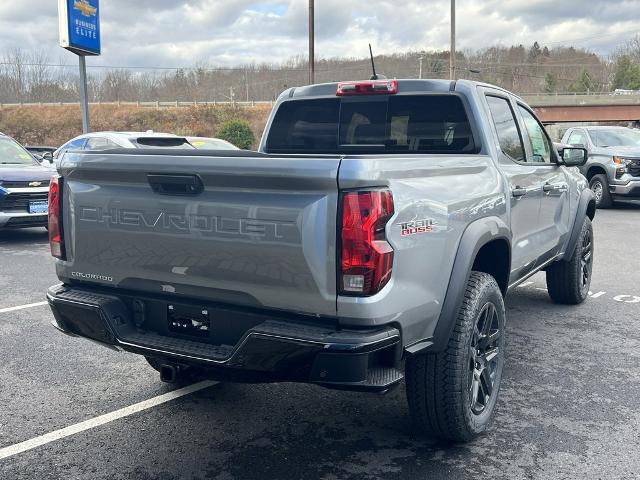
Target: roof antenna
373,65
375,76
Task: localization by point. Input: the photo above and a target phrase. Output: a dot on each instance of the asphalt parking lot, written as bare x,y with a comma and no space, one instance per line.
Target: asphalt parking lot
568,407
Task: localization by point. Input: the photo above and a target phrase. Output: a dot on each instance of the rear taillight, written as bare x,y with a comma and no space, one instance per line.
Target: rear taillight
370,87
56,238
366,257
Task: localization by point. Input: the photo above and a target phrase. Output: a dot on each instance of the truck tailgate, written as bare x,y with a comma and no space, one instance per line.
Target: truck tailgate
262,231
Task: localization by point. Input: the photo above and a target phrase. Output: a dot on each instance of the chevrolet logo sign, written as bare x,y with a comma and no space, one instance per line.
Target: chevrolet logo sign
85,8
35,184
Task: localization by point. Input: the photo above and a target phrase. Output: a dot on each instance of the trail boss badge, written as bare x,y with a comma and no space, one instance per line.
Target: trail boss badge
416,226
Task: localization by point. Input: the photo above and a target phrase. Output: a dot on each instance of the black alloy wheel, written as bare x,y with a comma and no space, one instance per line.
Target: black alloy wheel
586,258
484,361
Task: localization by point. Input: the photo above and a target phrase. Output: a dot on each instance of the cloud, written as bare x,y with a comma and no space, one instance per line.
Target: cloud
230,32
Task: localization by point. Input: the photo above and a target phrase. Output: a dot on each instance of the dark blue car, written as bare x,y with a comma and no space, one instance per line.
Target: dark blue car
24,187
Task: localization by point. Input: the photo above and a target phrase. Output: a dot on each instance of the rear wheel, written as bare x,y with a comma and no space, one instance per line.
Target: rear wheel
568,281
599,185
452,394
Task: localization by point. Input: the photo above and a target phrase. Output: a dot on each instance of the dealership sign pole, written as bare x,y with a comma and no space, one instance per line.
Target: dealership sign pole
79,25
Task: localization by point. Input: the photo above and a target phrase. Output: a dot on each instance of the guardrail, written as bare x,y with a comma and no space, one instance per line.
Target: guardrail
539,100
157,104
534,99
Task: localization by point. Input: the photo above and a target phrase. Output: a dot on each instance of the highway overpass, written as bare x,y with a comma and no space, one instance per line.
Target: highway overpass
585,108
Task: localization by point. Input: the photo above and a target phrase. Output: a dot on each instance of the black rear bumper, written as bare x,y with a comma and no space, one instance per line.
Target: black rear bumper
267,348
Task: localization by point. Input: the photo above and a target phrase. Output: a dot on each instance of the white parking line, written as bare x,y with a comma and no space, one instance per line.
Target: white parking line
631,299
21,447
22,307
627,298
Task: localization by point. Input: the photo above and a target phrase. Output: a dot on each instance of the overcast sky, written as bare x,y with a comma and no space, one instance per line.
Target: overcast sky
231,32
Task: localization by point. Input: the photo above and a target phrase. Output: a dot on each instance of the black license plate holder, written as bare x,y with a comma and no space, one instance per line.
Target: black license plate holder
188,320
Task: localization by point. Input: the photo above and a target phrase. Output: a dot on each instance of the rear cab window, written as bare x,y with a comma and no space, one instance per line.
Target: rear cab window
428,123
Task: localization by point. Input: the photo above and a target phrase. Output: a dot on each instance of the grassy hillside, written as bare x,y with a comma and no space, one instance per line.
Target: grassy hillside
54,125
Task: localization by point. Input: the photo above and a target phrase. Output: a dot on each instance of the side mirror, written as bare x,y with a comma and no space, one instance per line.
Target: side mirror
48,156
573,156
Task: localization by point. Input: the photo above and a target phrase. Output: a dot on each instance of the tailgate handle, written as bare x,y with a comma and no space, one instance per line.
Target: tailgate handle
175,184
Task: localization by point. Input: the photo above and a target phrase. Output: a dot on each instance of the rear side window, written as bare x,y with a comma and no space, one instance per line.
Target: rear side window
506,127
77,144
98,143
399,124
160,142
577,137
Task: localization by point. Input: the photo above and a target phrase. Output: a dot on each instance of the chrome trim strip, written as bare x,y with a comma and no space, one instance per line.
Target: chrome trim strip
27,190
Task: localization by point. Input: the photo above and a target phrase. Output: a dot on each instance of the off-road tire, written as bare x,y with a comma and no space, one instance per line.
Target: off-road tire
568,281
603,199
439,385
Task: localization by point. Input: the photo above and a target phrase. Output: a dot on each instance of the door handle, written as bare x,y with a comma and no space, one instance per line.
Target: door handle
518,192
550,187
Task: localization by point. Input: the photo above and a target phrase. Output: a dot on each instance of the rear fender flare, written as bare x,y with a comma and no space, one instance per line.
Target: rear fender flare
477,234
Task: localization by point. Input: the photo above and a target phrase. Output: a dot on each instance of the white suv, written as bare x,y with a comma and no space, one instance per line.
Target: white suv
111,140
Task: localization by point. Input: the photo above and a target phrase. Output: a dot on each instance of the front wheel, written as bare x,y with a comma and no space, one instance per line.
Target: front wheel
568,281
599,185
452,394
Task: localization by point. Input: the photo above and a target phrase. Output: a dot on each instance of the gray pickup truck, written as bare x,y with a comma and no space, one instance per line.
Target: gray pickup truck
371,239
613,166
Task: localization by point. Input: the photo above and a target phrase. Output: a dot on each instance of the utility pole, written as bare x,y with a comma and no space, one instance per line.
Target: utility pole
420,58
452,52
312,58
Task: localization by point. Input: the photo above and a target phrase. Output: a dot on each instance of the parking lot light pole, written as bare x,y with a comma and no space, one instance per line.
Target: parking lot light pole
452,52
312,59
84,98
